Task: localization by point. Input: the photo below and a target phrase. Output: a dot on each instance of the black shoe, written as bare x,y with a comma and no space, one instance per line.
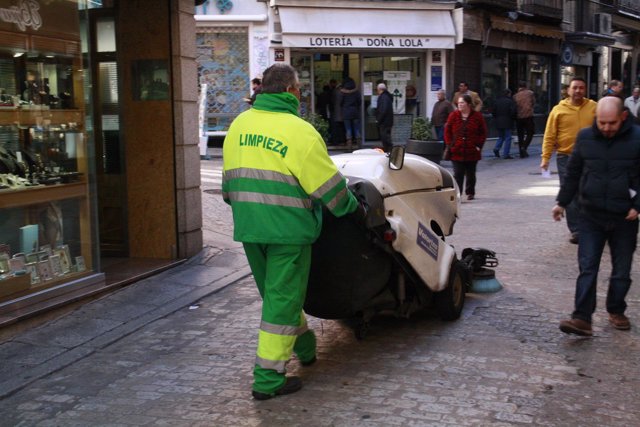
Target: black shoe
291,385
496,153
574,238
507,157
524,155
309,362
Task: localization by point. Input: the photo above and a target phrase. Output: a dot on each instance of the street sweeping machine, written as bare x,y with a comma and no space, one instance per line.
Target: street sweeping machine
397,260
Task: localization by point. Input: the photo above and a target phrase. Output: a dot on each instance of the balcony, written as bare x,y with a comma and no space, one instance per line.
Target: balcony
628,7
548,10
500,4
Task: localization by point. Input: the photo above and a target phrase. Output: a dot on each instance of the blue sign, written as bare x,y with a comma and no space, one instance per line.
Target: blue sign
428,241
436,78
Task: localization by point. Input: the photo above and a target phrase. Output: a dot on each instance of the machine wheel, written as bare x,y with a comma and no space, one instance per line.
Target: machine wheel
449,302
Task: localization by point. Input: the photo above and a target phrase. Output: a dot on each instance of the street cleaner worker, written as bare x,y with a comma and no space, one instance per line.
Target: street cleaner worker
604,173
277,175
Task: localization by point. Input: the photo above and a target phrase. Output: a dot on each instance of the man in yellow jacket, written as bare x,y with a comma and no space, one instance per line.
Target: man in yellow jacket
565,120
277,176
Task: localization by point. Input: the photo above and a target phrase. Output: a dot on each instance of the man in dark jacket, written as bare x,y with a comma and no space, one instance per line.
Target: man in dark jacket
504,112
604,172
384,115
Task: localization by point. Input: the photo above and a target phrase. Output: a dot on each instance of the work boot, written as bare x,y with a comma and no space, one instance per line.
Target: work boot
291,385
576,327
619,321
496,153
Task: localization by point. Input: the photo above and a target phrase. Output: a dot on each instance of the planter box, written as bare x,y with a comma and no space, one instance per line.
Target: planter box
430,150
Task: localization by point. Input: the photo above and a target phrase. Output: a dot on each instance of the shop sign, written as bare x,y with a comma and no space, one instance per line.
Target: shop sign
372,42
24,14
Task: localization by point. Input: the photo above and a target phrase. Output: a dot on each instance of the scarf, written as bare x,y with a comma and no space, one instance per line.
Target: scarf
284,102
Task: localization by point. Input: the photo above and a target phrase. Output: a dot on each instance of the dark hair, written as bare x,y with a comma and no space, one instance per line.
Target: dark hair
256,81
506,92
278,78
579,79
466,98
522,83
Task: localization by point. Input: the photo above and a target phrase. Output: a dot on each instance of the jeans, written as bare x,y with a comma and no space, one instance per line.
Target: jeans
525,126
621,235
352,127
504,137
439,132
468,170
571,211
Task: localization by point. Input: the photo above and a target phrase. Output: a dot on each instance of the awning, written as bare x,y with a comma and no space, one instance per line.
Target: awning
505,24
366,28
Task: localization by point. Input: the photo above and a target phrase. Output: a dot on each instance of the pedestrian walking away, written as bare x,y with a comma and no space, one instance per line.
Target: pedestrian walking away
465,134
276,175
564,122
604,172
351,100
504,113
441,110
525,101
384,116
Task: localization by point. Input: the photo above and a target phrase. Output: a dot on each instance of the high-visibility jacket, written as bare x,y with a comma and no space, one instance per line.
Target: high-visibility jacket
277,173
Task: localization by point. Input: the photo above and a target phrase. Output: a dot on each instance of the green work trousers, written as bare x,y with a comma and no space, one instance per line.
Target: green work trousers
281,273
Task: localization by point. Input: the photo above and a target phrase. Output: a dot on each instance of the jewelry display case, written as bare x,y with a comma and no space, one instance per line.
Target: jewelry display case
45,202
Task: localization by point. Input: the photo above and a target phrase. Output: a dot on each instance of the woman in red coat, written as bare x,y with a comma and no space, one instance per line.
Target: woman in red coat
465,133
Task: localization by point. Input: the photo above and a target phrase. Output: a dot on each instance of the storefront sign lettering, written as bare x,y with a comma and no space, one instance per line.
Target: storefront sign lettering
24,15
370,42
330,41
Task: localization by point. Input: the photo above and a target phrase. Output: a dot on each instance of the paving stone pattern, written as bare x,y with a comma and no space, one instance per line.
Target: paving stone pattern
504,363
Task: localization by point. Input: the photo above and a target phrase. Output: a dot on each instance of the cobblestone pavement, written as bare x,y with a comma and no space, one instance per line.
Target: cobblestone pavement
504,363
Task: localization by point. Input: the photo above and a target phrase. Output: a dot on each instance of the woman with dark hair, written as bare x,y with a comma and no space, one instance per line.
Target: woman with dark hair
465,133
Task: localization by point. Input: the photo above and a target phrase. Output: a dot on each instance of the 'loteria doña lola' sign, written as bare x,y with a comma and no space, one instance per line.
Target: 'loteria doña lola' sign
371,42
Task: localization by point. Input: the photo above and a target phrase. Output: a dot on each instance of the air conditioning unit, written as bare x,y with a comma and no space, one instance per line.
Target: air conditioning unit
602,23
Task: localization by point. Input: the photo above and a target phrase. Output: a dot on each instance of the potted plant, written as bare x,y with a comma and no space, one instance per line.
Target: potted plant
320,124
422,142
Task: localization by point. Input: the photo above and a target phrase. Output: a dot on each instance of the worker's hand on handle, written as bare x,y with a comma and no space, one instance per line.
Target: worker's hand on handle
557,212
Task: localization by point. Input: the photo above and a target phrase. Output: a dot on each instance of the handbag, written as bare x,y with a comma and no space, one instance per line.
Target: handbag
446,154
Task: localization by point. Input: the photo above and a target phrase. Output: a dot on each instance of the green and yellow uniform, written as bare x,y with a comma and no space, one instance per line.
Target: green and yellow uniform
277,175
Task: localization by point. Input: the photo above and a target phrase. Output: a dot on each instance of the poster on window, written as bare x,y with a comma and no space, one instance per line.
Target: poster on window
397,86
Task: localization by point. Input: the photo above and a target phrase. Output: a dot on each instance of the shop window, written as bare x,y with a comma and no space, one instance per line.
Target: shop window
46,223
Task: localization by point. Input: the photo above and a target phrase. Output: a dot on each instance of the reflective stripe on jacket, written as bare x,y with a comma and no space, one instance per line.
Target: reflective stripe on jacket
277,174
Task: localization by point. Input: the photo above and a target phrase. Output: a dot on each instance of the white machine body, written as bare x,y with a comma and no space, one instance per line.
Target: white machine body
421,202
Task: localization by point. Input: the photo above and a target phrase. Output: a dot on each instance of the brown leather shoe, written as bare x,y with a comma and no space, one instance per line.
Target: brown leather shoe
576,327
619,321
